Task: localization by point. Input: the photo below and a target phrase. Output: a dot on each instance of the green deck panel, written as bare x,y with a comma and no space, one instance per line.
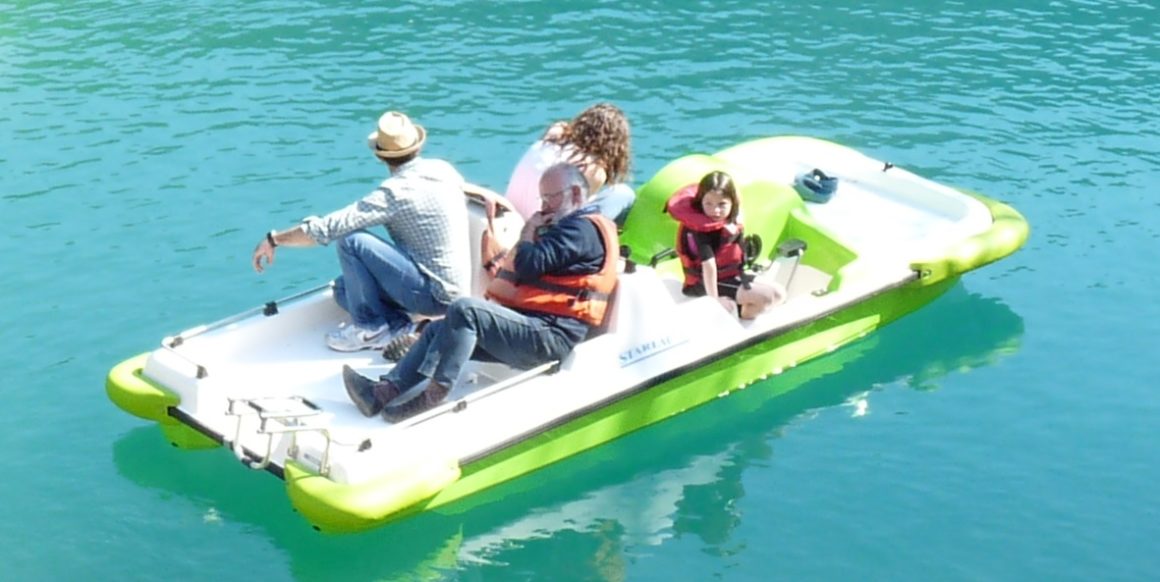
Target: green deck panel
772,211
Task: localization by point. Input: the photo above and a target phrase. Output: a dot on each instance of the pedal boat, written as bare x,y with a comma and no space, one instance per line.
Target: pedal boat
263,384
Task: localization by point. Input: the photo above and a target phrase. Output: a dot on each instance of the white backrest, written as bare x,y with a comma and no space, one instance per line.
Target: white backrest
508,224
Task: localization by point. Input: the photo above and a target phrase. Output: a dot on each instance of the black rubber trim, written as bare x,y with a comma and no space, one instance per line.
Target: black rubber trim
679,371
191,422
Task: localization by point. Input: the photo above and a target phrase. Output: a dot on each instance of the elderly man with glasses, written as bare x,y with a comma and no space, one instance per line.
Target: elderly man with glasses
552,288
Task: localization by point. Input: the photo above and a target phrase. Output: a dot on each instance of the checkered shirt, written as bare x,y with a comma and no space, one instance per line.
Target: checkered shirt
424,211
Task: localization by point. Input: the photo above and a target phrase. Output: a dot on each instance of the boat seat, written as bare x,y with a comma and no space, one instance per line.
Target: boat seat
642,297
508,224
606,324
640,291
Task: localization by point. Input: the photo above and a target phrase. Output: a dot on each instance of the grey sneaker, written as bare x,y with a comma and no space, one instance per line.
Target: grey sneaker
352,338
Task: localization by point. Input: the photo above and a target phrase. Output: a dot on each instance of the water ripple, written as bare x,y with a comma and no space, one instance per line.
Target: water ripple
154,141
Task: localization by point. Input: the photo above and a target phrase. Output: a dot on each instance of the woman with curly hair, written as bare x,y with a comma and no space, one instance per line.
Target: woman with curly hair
598,142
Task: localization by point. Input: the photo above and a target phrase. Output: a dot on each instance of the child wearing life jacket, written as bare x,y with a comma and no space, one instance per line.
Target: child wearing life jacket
710,247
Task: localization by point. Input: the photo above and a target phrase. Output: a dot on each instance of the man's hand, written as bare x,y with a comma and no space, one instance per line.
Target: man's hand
533,224
264,250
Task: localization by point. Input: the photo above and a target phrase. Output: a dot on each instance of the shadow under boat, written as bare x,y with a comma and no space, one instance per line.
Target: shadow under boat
635,491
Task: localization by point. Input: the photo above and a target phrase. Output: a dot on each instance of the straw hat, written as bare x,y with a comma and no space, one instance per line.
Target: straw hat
396,136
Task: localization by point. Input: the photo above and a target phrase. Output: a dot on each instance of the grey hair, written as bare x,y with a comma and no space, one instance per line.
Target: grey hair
572,176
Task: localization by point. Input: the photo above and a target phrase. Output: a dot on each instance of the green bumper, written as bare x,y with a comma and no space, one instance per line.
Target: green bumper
135,394
132,392
339,508
1008,232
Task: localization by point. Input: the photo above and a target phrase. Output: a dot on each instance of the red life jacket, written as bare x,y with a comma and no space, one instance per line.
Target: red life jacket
729,254
584,297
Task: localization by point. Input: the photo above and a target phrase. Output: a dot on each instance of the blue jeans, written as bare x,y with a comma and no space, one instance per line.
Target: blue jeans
481,330
380,283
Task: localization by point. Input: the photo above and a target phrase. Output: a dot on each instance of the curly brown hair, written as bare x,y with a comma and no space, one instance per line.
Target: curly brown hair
600,131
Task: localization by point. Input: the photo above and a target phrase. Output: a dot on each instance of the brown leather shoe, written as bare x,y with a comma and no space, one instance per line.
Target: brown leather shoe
369,396
386,391
431,396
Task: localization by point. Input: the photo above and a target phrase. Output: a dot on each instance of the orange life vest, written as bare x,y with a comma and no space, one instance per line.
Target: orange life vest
584,297
729,254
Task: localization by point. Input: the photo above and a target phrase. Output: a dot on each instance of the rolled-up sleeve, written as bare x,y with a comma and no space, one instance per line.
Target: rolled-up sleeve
374,209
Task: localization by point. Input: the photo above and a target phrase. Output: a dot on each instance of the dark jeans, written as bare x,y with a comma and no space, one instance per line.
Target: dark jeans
380,283
481,330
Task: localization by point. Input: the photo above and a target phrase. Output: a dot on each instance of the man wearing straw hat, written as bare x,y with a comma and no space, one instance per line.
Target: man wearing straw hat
424,264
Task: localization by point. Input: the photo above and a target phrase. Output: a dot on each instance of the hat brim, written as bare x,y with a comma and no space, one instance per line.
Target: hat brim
373,143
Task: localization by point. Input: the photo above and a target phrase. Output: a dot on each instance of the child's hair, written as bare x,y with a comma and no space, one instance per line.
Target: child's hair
721,182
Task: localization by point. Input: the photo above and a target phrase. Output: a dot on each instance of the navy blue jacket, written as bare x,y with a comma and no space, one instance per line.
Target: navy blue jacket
572,246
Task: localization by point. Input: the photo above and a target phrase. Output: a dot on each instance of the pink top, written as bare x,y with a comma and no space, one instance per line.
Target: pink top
523,189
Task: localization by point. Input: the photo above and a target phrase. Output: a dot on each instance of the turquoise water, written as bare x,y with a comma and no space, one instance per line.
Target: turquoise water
1006,432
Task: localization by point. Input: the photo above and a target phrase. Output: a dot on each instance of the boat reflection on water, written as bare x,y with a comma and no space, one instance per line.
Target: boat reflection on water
585,514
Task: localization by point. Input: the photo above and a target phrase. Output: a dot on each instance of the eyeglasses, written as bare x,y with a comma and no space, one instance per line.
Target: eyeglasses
553,196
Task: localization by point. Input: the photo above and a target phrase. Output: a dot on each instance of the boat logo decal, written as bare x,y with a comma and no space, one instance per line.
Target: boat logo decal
651,347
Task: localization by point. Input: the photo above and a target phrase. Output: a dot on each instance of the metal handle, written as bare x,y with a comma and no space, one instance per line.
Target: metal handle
177,340
285,421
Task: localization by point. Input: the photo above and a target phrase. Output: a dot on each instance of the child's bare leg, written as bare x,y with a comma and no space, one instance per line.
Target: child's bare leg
758,297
